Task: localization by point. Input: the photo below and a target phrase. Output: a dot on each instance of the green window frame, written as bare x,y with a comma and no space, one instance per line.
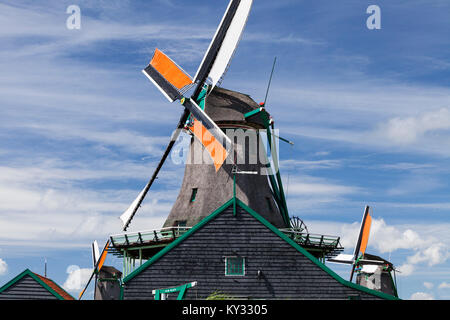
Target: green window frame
193,194
235,266
180,223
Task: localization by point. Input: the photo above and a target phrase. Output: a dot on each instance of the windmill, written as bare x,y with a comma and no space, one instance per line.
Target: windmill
361,244
98,261
174,83
373,272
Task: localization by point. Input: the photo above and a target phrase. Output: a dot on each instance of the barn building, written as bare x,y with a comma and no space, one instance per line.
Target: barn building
236,252
32,286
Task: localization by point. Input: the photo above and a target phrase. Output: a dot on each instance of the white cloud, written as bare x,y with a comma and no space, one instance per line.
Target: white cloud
56,39
319,188
387,238
73,218
434,254
67,210
444,285
308,185
310,164
421,296
407,166
423,245
409,130
409,185
426,248
77,278
406,269
377,114
3,267
428,285
127,140
305,191
321,153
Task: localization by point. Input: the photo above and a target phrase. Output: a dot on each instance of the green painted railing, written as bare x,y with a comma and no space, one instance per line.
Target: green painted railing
314,240
148,236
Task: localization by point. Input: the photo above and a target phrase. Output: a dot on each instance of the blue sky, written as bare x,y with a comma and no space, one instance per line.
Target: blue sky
368,110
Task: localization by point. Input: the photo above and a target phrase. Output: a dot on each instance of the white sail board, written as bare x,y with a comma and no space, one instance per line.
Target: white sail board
229,43
129,213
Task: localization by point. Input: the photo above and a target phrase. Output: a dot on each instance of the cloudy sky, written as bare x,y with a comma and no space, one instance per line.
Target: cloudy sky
368,110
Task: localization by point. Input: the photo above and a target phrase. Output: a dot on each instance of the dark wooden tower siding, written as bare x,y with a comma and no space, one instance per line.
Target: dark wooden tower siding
274,266
210,188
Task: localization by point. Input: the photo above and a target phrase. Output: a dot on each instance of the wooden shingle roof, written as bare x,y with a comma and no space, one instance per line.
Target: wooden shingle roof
312,262
30,285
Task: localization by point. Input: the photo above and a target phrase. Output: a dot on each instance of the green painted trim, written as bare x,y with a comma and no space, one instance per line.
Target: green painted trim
27,272
311,257
202,97
48,288
14,280
229,261
270,227
234,194
281,200
177,241
275,191
277,174
180,289
253,112
121,292
393,284
194,194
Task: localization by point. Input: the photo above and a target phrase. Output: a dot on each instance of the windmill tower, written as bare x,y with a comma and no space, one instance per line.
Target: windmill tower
203,189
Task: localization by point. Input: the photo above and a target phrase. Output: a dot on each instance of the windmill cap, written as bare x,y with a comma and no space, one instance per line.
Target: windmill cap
228,107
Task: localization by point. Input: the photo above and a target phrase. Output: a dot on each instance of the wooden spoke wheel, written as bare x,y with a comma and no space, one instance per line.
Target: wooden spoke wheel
298,225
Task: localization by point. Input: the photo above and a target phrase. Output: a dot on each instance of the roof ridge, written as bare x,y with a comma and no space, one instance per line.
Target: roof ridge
53,285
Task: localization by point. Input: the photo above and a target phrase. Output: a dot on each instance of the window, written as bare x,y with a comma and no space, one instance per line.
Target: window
269,203
234,266
180,223
193,194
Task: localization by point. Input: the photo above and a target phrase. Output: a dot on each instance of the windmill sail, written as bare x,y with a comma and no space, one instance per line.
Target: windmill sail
224,43
364,231
216,142
174,82
95,253
363,238
167,76
361,244
98,266
129,213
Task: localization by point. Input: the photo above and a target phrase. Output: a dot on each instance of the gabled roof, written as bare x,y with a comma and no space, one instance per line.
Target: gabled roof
46,283
270,227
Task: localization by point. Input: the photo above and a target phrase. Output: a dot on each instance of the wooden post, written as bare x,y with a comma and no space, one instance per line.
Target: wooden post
234,194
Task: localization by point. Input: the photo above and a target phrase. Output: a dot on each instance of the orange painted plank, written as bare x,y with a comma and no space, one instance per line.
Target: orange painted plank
365,234
215,149
169,70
